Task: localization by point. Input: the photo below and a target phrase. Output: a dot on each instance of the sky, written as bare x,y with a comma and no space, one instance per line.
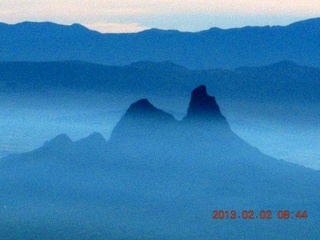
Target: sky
134,16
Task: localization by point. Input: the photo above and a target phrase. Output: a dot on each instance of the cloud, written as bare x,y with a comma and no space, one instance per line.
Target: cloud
115,27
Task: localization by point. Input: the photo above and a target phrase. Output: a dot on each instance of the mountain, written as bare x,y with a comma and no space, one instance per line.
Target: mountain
273,107
142,123
213,48
165,176
204,107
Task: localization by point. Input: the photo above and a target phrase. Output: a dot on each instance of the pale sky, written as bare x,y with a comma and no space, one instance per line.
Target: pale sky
133,16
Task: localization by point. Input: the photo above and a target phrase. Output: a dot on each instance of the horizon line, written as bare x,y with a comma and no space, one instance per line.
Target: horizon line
155,28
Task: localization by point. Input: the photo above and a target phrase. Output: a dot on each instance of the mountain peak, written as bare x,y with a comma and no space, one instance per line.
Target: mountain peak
61,141
61,138
93,139
140,121
95,143
204,107
142,104
200,91
143,109
96,136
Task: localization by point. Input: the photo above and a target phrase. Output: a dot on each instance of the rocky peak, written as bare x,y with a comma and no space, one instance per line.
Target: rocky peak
204,107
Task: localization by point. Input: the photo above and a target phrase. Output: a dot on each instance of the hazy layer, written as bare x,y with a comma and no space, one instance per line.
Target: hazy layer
28,122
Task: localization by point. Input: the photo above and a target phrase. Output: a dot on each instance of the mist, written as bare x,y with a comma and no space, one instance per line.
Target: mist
155,177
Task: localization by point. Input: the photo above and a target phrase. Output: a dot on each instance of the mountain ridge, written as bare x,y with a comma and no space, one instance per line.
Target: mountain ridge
315,20
231,48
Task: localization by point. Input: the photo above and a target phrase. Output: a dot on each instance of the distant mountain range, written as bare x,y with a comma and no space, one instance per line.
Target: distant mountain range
214,48
284,81
156,177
